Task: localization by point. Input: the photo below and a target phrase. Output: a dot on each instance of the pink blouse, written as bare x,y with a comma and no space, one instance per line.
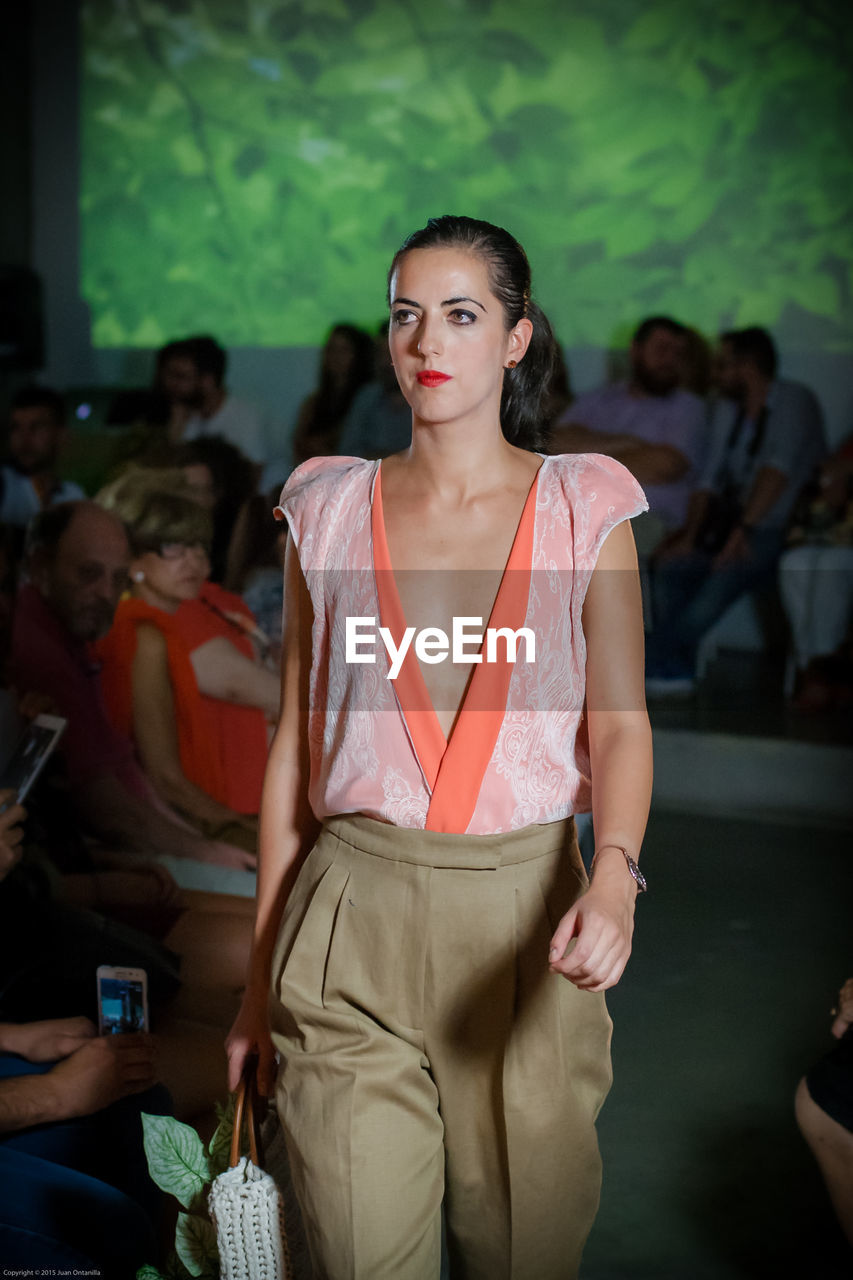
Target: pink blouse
517,754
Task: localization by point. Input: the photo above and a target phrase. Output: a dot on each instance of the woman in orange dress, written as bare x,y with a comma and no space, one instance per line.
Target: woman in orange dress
179,668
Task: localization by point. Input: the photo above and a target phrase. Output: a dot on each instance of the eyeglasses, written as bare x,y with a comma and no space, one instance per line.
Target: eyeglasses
177,550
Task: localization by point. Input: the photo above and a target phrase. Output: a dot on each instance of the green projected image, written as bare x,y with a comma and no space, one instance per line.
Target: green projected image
249,166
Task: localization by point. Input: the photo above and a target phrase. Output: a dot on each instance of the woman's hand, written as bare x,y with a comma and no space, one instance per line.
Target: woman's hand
601,923
249,1035
221,854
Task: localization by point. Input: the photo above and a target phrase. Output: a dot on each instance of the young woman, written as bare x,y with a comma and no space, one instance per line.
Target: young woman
421,898
345,365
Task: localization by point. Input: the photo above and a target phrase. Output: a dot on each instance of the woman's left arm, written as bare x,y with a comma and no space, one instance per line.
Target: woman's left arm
601,922
222,671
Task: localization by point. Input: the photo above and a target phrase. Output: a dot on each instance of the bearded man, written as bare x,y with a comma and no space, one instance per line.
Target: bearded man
649,423
29,482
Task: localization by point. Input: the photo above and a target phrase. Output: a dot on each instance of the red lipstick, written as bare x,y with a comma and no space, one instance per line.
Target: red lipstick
432,378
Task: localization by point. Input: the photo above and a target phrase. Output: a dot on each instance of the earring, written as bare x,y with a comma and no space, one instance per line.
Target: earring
511,364
139,576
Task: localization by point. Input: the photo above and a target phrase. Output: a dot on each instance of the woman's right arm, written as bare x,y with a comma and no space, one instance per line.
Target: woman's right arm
288,828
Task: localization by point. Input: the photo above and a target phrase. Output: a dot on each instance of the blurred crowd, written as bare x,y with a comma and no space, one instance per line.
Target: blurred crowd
145,608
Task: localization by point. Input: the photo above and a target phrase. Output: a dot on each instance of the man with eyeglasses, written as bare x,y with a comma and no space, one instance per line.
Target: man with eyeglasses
79,559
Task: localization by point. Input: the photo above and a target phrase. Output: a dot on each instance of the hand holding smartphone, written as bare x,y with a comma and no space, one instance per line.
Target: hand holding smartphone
30,755
122,1000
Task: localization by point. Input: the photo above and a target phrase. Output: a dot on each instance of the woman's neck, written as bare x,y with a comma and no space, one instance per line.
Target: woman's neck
459,458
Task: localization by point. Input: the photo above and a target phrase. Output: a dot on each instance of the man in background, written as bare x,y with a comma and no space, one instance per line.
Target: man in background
191,376
766,441
29,481
649,422
79,559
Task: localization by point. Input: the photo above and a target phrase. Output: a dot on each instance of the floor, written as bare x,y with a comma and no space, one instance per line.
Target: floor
741,692
741,945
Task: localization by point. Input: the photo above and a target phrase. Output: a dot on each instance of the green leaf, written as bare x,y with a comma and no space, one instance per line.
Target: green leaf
175,1269
176,1158
195,1242
219,1148
149,1273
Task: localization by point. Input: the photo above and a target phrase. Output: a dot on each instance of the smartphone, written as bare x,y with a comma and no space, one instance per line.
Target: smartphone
122,1000
30,755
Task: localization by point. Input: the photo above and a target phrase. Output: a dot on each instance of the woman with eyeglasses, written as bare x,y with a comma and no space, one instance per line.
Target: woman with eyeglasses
181,668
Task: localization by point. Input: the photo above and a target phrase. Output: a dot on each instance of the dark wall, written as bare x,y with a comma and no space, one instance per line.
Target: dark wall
15,136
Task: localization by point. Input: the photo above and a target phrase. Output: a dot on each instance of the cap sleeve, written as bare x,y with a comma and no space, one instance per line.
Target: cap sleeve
312,500
600,493
616,497
292,499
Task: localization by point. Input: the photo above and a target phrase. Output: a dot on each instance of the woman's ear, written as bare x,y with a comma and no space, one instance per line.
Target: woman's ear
519,340
137,573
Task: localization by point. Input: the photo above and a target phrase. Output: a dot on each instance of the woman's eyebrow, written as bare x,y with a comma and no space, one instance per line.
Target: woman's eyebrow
451,302
448,302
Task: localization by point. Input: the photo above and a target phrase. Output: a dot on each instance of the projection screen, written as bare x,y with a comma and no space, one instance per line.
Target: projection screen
249,168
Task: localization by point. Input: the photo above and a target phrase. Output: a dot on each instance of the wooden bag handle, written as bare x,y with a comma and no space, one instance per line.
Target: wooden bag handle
246,1106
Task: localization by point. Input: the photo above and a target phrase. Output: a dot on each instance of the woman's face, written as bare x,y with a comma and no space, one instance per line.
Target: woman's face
174,574
448,337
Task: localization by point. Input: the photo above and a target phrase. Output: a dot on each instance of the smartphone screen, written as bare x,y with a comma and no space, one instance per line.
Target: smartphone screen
122,1001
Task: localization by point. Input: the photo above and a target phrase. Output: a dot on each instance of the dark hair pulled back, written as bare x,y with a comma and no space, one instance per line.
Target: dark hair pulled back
525,388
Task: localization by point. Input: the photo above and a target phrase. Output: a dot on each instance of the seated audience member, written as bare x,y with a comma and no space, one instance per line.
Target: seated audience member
222,479
29,482
816,582
79,559
697,363
191,375
180,672
346,363
766,440
75,1194
649,423
379,420
824,1111
256,565
74,1190
54,1072
67,906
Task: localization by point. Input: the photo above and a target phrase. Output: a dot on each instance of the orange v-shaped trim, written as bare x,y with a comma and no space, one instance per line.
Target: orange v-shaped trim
454,769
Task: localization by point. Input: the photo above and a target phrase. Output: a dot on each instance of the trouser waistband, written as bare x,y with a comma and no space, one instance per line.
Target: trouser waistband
444,849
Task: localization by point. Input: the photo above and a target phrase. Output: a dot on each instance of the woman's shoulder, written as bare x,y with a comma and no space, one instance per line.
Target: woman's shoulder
135,624
132,614
584,475
319,481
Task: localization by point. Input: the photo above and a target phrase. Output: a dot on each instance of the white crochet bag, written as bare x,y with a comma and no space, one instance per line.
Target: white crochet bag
246,1205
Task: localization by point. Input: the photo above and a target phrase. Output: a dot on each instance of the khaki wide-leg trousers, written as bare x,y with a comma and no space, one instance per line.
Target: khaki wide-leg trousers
428,1053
